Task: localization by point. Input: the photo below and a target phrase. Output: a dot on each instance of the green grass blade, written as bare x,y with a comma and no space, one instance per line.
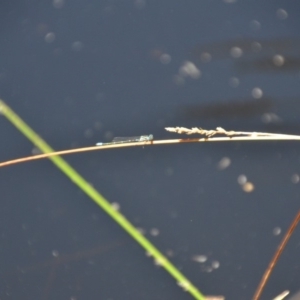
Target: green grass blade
100,200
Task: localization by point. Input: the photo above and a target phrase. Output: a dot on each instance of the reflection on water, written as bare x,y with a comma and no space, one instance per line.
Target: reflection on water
240,108
276,63
240,47
253,55
249,55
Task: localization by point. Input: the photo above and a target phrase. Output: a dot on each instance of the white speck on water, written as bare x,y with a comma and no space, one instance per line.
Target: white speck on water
116,206
189,69
276,230
185,285
236,52
215,264
165,58
224,163
256,47
281,14
278,60
58,3
242,179
154,232
140,4
295,178
77,46
255,25
36,151
234,82
257,93
148,254
50,37
248,187
199,258
270,118
205,57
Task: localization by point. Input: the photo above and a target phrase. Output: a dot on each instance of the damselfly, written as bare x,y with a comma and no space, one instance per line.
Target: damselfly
128,139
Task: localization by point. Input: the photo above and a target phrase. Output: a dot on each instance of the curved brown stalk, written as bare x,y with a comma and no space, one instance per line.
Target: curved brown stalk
276,256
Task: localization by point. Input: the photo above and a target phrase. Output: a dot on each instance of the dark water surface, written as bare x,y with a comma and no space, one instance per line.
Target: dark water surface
84,71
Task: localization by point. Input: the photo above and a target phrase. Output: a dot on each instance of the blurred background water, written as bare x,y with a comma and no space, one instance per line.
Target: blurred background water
84,71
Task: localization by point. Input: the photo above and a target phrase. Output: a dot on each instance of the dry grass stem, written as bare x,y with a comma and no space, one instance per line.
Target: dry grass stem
282,295
207,136
219,131
275,258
